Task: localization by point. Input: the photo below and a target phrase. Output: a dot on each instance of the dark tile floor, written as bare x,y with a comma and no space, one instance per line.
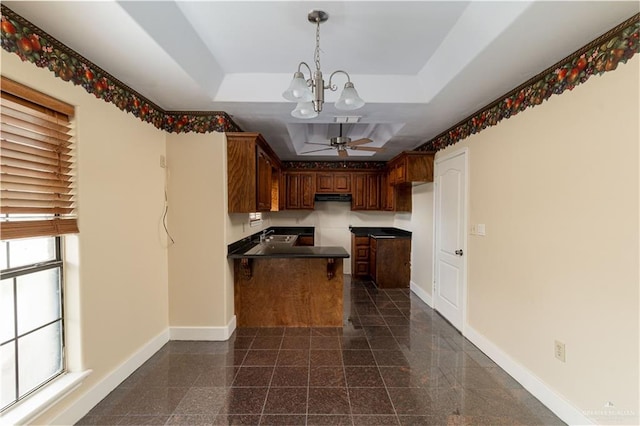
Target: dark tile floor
395,362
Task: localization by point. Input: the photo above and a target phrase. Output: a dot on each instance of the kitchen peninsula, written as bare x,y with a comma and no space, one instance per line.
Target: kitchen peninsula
280,283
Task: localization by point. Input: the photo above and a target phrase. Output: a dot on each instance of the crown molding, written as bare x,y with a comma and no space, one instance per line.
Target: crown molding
333,165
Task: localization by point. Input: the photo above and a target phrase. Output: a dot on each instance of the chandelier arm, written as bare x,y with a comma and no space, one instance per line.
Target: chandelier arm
306,65
333,87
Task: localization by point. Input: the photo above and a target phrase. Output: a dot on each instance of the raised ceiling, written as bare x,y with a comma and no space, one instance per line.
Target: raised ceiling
420,66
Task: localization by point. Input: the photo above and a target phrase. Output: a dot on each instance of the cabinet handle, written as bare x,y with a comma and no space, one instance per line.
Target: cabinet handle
459,252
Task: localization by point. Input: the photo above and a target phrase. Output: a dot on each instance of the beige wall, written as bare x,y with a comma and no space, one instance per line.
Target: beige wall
420,223
120,282
199,295
557,187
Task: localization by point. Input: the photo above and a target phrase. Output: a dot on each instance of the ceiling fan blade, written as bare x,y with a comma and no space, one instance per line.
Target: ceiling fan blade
317,150
343,153
359,142
371,148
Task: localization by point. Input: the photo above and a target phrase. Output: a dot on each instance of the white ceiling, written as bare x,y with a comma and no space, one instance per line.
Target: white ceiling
420,66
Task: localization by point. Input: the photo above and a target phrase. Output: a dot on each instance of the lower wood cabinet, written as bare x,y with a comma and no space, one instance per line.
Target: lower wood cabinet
359,256
385,261
305,240
390,262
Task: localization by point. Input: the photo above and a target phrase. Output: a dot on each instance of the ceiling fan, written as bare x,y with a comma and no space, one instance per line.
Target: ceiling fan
342,143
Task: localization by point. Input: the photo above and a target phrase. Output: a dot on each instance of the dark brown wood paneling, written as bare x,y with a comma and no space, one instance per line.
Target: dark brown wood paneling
288,293
241,174
342,183
392,260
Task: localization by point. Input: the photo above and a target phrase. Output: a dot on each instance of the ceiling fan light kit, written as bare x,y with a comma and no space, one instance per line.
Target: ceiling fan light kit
311,91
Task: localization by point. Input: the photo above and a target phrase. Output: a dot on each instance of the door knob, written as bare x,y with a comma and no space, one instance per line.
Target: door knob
459,252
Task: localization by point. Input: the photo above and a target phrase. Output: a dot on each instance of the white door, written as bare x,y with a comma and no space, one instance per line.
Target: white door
450,238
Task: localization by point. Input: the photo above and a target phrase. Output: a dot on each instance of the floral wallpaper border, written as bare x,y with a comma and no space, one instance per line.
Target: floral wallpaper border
32,44
601,55
333,165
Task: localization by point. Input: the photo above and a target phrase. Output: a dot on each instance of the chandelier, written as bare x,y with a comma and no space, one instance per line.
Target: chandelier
309,93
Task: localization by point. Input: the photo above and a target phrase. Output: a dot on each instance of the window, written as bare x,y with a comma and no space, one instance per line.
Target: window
31,320
37,206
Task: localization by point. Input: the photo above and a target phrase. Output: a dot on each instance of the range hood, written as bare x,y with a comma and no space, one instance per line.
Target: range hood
333,197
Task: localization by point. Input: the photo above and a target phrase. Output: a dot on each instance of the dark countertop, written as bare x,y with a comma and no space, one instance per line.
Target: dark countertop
376,232
291,252
239,249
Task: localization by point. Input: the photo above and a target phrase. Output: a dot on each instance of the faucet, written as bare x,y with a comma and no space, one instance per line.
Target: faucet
264,234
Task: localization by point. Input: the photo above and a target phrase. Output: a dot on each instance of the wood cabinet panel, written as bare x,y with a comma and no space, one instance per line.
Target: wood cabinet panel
253,169
333,182
300,190
366,191
359,256
306,298
411,166
392,260
305,240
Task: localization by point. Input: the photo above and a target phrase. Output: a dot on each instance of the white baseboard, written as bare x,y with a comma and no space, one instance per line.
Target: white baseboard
203,333
556,403
89,399
423,295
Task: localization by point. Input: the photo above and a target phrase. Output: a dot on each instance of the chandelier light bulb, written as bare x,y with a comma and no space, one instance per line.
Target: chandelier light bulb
349,98
298,90
304,110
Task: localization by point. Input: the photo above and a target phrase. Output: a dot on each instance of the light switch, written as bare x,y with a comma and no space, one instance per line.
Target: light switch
481,229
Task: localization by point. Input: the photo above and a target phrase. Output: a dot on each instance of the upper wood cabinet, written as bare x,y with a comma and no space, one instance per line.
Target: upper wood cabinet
253,174
366,191
411,166
395,198
300,190
333,182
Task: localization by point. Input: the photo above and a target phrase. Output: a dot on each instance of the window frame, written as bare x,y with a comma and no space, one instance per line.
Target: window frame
12,273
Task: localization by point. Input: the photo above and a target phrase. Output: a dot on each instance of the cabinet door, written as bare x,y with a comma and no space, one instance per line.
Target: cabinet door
373,192
387,192
307,190
300,189
342,183
263,183
358,201
293,190
324,182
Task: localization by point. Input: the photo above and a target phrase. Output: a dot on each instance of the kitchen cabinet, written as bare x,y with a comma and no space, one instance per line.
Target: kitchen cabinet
253,172
411,166
390,262
300,190
305,240
333,182
395,198
359,256
366,191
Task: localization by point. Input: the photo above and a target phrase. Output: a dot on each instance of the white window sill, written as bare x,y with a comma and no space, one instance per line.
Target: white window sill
37,403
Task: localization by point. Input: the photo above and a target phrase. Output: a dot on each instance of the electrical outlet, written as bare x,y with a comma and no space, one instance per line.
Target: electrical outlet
163,161
559,351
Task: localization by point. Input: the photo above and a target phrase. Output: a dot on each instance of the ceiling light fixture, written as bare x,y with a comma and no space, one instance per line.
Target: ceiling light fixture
309,93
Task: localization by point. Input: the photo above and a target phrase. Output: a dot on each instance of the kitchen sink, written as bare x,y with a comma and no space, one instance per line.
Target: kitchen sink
272,242
281,239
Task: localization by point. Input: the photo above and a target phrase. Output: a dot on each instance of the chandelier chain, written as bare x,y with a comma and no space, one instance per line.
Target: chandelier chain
316,55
